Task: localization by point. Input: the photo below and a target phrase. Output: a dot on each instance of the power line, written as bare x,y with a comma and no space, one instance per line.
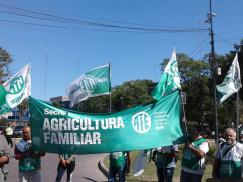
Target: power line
227,40
6,9
56,26
123,22
201,46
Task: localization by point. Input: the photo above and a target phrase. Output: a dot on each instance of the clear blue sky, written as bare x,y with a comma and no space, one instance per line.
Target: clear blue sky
74,47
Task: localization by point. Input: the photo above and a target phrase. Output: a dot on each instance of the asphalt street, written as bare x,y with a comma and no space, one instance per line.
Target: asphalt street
86,169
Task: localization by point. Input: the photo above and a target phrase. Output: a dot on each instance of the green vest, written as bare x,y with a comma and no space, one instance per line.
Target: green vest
163,159
117,159
231,166
190,160
29,164
230,169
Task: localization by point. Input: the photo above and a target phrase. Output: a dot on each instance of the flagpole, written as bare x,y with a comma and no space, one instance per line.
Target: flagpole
184,120
110,87
237,116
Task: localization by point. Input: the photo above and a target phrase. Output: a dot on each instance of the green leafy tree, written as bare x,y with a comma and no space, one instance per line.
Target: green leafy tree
132,93
99,104
127,95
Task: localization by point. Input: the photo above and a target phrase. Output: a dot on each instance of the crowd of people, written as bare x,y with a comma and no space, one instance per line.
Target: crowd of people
30,160
227,165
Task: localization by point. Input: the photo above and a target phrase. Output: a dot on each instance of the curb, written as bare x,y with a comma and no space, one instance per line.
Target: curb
103,168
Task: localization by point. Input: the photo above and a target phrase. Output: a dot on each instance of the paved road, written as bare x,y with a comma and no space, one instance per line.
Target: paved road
86,169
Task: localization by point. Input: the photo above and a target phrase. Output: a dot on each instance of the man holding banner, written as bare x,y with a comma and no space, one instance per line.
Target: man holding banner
29,160
119,165
83,133
165,159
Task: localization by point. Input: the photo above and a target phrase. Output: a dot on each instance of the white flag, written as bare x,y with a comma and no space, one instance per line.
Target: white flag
15,90
93,83
231,83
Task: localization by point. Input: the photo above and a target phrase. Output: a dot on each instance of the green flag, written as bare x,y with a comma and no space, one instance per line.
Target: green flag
15,90
93,83
170,79
57,130
231,83
3,105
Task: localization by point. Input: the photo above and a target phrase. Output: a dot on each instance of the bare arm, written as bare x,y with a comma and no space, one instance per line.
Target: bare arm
4,159
70,159
62,161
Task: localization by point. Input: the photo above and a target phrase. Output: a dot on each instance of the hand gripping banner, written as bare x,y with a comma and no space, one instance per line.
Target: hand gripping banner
153,125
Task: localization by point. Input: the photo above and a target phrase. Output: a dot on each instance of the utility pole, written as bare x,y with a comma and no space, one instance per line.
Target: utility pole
213,65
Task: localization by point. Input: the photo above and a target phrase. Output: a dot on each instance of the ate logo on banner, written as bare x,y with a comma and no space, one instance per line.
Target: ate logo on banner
141,122
17,85
87,84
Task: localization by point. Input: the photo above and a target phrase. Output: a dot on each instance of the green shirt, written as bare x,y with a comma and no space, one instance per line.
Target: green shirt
117,159
166,156
29,164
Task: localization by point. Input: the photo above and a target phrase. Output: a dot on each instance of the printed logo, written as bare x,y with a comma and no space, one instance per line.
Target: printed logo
17,85
87,84
141,122
174,69
237,81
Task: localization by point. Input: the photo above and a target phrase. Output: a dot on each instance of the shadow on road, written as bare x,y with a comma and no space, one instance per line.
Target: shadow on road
92,179
141,180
